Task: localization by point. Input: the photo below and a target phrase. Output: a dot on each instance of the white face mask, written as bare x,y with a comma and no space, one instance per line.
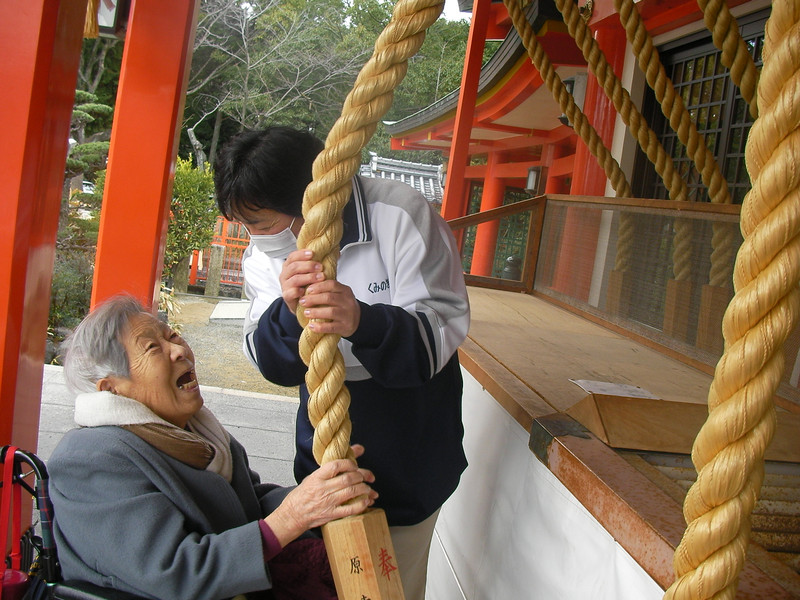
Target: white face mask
276,245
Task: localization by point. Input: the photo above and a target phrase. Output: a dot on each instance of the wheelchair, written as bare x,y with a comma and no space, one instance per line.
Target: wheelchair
30,473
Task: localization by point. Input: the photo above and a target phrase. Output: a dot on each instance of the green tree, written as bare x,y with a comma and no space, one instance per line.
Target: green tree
79,220
256,63
87,155
434,72
73,270
192,213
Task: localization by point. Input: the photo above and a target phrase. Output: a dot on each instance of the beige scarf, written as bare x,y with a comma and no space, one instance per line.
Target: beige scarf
203,445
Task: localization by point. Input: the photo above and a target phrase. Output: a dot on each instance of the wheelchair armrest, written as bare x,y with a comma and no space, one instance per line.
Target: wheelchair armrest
82,590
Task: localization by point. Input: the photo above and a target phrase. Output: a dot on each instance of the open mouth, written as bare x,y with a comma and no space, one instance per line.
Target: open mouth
187,381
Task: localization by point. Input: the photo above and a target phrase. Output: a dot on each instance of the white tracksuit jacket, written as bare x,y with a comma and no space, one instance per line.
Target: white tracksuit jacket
401,261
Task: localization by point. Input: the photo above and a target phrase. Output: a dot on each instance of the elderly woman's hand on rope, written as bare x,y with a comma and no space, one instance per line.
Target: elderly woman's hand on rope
336,490
330,306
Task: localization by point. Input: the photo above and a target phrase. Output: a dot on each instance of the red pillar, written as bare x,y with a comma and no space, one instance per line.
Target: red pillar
554,184
575,264
454,203
486,235
589,178
574,259
40,42
144,139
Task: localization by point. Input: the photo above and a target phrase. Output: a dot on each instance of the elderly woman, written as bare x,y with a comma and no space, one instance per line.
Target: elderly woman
152,495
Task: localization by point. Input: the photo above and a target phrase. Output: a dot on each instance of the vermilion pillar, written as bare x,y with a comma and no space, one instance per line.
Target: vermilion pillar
486,235
144,138
575,255
40,43
575,265
455,193
589,178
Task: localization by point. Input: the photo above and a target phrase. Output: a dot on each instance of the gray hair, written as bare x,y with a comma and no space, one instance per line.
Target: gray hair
95,349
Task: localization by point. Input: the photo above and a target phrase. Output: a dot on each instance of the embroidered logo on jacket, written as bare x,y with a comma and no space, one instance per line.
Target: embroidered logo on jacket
376,287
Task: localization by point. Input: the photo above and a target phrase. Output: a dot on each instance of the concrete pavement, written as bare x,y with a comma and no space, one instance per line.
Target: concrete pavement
263,423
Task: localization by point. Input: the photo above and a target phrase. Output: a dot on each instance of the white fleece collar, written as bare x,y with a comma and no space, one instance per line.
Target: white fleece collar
96,409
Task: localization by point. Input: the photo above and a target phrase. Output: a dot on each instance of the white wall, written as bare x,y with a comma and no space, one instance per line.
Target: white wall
512,531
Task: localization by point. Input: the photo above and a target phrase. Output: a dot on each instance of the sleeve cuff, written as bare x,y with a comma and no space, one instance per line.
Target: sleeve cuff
373,320
269,543
288,320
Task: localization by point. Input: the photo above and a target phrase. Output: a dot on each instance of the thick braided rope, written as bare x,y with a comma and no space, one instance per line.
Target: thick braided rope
729,450
735,54
326,197
645,136
619,96
723,249
679,119
565,100
682,245
671,102
625,242
744,73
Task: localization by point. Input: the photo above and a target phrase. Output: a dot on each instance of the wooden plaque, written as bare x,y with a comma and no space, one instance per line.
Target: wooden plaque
362,557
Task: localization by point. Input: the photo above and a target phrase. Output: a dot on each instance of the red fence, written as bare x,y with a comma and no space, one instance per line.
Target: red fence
235,238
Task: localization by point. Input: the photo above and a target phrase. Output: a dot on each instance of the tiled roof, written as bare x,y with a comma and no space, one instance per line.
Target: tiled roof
426,179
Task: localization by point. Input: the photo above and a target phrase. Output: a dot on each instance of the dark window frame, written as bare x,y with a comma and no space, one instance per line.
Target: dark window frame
730,129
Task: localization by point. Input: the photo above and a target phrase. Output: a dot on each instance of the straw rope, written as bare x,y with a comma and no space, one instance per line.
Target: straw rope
326,197
91,27
679,119
729,450
723,249
671,102
566,102
737,58
625,242
619,96
682,245
644,135
735,54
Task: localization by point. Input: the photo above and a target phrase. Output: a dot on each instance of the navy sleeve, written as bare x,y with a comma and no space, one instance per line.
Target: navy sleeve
276,345
392,345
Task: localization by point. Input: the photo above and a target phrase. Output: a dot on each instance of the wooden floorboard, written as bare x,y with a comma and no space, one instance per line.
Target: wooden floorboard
545,346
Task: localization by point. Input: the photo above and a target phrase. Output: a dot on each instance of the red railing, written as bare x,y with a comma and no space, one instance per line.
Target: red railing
234,237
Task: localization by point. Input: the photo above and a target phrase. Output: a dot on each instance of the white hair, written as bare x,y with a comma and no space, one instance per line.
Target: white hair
95,349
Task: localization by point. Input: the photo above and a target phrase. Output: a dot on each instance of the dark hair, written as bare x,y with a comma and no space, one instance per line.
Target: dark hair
270,169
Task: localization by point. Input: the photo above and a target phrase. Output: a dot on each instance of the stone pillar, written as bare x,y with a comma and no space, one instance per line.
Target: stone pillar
214,270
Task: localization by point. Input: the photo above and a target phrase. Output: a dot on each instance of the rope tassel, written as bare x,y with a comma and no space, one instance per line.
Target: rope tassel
91,27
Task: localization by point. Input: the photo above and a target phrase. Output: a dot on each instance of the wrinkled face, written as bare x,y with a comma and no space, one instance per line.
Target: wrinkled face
161,371
266,221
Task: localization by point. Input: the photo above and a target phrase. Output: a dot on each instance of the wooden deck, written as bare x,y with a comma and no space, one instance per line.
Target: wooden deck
545,346
525,351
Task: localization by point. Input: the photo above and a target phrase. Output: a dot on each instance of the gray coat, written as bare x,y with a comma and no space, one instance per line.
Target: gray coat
128,516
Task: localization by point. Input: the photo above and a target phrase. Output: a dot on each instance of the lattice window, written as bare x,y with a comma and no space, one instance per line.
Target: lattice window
717,108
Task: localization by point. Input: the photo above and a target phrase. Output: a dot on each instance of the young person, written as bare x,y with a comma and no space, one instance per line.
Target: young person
399,304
